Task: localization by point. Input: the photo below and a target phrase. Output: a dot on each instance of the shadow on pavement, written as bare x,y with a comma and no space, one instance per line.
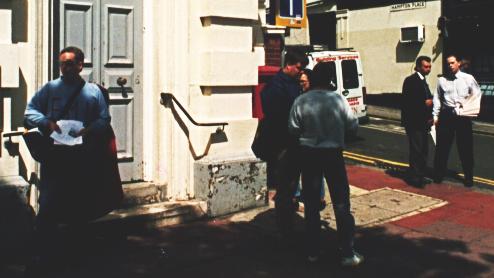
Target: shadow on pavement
402,173
221,248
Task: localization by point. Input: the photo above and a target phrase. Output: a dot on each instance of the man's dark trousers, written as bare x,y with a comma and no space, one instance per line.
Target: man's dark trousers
450,126
418,150
287,174
327,162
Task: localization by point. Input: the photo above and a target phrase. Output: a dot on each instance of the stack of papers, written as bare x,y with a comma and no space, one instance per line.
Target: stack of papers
68,128
433,134
471,106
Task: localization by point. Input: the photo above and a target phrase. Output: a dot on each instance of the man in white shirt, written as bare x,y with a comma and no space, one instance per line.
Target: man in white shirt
452,91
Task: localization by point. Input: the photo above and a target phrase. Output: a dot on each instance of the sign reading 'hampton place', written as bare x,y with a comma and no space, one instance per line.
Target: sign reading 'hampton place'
408,6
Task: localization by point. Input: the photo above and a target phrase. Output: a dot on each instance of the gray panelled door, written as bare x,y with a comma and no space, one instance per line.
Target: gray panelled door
110,34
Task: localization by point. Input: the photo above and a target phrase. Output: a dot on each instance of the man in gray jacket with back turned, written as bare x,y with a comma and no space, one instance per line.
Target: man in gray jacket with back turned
320,118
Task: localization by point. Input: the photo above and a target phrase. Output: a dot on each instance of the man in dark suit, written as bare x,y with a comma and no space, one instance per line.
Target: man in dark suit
416,117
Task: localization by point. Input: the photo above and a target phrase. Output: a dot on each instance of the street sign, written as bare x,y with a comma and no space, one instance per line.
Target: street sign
291,13
291,8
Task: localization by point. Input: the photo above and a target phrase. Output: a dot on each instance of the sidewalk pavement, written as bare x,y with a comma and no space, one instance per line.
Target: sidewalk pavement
395,115
444,230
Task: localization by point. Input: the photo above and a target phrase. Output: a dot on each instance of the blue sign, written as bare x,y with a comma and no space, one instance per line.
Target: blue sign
292,8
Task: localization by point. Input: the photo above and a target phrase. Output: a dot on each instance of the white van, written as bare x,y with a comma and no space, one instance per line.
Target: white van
348,77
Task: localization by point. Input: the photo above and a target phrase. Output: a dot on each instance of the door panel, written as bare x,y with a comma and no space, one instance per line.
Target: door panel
120,35
120,23
109,33
121,110
78,22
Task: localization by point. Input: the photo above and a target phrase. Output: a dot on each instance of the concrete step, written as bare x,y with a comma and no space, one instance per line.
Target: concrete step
143,193
154,215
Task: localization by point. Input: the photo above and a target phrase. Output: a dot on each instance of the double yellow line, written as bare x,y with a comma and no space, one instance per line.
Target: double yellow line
375,161
372,160
480,180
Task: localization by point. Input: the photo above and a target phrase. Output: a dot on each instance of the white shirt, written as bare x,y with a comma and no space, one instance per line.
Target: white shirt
452,92
420,75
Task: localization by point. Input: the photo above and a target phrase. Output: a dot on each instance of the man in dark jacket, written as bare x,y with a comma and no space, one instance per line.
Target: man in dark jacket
277,99
416,117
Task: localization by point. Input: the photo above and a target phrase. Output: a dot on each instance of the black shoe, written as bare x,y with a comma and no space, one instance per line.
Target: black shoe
468,183
427,180
438,179
352,261
418,182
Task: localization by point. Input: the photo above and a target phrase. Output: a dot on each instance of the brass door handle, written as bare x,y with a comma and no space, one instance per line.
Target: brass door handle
121,81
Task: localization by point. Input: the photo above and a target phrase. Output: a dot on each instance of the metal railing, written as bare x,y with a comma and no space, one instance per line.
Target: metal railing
12,134
11,147
166,100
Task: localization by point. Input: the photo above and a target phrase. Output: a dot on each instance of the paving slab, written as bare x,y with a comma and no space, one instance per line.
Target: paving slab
384,205
356,191
397,201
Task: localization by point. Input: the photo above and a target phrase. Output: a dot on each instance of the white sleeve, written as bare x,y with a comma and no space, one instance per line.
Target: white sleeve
474,88
436,101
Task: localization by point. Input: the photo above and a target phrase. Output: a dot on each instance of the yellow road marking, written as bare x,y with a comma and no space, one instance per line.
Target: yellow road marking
374,160
359,159
479,179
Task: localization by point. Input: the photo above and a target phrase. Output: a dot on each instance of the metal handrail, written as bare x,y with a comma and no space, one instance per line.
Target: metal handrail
12,134
166,98
9,144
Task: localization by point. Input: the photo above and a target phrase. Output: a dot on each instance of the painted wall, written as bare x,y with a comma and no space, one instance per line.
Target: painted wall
18,74
204,52
207,58
375,33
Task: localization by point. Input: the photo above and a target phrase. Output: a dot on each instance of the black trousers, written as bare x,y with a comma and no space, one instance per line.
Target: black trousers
418,149
287,174
316,163
60,177
450,126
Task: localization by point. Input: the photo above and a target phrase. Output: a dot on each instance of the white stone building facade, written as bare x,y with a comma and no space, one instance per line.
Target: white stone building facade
203,52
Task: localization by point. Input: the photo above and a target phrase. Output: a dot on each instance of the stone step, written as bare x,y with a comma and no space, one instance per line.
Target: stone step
13,189
142,193
154,215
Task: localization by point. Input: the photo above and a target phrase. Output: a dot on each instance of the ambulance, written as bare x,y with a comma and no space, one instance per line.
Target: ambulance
347,79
